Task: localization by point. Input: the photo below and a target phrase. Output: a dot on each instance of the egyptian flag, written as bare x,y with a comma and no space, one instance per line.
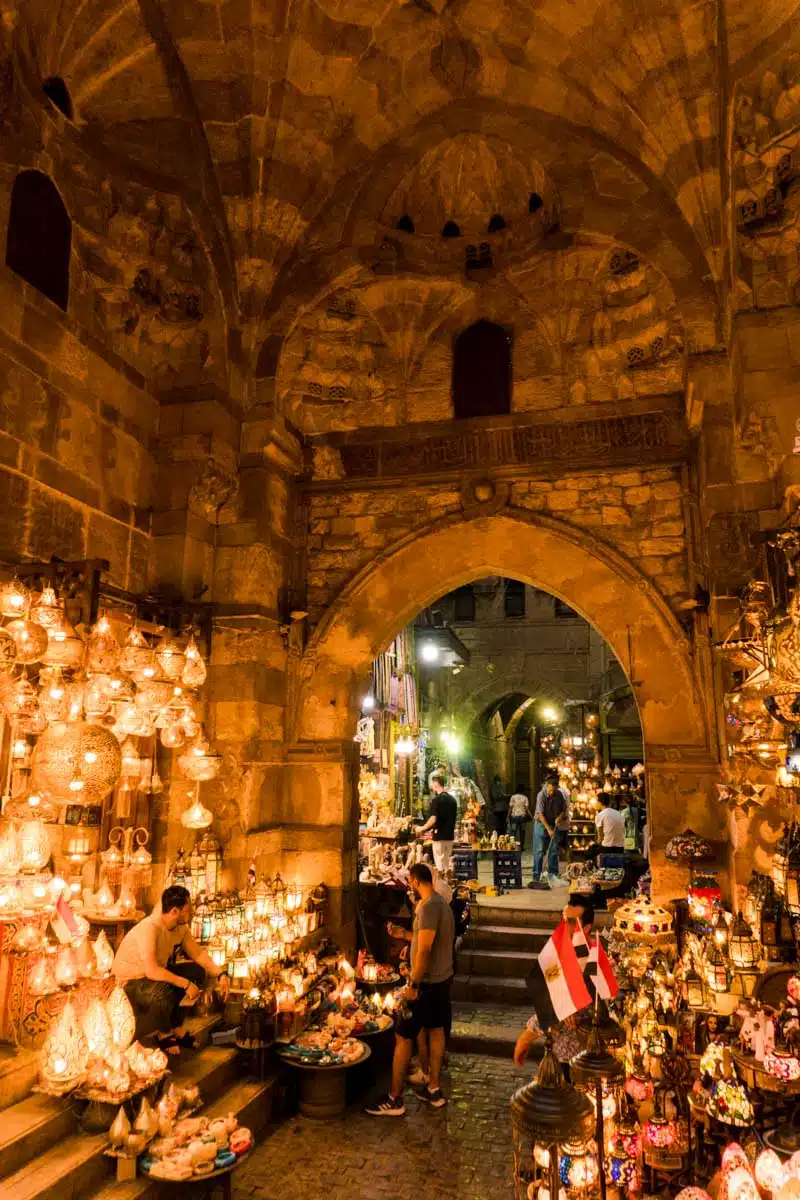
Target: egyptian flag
64,923
596,966
556,983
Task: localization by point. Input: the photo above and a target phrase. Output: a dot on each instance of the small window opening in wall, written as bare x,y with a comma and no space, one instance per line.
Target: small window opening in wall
57,93
450,230
535,202
514,598
405,224
464,603
482,371
39,236
497,223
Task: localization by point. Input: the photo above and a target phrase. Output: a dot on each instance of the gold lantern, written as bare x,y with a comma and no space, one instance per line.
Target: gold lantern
66,971
103,651
68,754
8,651
103,954
78,847
62,1058
34,845
86,959
194,669
30,638
41,981
10,849
197,816
121,1018
97,1030
14,598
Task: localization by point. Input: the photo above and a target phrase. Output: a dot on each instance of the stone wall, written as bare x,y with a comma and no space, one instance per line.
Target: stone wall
641,512
78,467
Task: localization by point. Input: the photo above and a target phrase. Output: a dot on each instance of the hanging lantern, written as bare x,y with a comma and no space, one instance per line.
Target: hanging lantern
14,598
78,752
121,1018
66,970
194,668
136,653
716,970
97,1030
199,761
171,659
744,949
704,896
625,1173
104,955
8,652
62,1058
30,639
78,847
639,1087
10,849
131,763
34,845
197,816
103,651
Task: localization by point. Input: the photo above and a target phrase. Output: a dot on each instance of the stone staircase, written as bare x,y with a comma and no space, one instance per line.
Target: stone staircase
44,1155
498,951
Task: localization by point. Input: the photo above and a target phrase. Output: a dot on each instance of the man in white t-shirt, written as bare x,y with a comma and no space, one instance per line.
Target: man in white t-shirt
610,827
145,965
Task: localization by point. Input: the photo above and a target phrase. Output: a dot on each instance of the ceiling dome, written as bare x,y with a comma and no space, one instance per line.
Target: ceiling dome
466,181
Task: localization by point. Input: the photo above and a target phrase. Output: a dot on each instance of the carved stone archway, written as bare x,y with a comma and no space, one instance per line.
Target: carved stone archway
592,577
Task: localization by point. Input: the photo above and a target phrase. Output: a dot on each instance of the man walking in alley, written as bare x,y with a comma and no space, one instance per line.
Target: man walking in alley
549,815
427,993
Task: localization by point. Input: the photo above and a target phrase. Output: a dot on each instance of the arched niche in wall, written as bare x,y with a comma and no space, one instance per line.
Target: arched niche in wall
39,236
482,371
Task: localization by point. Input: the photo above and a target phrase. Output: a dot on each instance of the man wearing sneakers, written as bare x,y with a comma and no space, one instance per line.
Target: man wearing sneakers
427,993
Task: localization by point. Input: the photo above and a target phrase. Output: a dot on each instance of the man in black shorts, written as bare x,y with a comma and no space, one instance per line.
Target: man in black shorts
427,992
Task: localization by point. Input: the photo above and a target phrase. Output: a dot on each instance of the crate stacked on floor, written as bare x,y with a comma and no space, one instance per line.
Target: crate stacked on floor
507,869
465,863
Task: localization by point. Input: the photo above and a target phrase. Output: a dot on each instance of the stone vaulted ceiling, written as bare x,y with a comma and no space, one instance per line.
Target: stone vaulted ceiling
305,126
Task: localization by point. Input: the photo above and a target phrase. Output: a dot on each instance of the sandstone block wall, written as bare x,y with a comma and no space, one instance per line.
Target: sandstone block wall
640,512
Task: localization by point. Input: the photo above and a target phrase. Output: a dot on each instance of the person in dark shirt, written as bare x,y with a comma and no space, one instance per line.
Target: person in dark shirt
442,820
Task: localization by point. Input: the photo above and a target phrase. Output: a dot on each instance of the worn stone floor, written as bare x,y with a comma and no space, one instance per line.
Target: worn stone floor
504,1021
462,1152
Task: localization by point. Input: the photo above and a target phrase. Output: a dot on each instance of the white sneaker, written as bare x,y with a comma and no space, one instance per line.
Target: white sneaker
418,1078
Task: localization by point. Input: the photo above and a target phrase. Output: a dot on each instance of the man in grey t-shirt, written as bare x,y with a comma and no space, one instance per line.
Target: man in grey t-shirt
428,994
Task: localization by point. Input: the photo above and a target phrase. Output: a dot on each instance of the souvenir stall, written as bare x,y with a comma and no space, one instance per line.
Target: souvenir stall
102,705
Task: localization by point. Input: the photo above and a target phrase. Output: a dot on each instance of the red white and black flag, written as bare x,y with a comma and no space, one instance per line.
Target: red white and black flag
556,983
596,966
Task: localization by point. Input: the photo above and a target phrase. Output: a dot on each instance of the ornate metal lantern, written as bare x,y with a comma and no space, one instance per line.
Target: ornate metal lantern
717,976
744,949
546,1114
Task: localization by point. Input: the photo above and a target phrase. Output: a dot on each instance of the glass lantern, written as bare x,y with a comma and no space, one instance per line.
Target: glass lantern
717,976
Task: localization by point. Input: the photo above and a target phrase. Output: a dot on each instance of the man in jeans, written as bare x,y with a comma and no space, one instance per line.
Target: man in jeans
549,815
427,993
518,813
442,820
143,965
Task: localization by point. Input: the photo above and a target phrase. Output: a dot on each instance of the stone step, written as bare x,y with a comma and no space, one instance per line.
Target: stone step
33,1128
500,964
252,1103
71,1169
19,1070
487,913
490,989
30,1128
505,937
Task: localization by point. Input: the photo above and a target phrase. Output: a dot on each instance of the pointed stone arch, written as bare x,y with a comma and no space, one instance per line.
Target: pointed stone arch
668,673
